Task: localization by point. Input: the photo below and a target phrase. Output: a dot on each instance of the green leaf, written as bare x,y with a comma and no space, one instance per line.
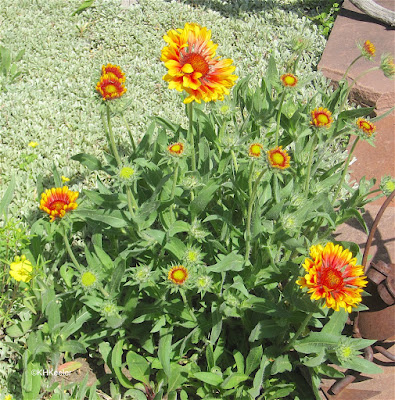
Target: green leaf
116,364
19,329
176,247
361,365
104,258
359,112
208,377
139,367
281,364
231,262
73,347
336,323
178,375
117,276
75,323
265,329
7,197
112,218
315,342
327,370
253,359
164,351
83,6
52,311
136,394
258,378
88,161
233,380
203,198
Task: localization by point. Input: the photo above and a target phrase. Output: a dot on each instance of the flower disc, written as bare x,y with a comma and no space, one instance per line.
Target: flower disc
178,274
110,87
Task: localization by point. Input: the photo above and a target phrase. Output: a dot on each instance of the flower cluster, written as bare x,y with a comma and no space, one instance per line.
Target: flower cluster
193,67
111,83
21,269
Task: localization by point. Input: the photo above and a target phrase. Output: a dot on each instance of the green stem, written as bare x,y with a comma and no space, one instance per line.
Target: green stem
310,162
250,178
298,332
175,177
131,200
345,169
352,63
190,134
111,137
279,117
275,188
129,132
234,161
249,215
70,251
354,82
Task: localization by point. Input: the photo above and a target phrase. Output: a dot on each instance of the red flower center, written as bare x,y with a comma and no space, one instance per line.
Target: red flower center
198,63
332,279
57,205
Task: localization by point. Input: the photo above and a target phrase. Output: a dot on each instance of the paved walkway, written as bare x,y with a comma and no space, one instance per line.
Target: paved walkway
374,89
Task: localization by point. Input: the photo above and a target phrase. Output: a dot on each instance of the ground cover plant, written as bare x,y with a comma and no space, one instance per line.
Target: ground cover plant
178,274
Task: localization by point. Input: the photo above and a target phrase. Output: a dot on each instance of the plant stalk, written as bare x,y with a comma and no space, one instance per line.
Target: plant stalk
111,137
190,133
279,117
249,215
310,162
129,132
298,332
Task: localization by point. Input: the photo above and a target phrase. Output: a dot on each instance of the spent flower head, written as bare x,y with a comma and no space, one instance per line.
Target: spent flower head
387,65
89,280
203,283
193,255
387,185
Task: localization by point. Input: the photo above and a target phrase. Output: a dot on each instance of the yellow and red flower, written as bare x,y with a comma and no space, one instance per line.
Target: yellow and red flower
114,72
368,49
178,274
255,150
321,117
289,80
193,67
110,87
176,149
334,276
278,158
366,126
58,201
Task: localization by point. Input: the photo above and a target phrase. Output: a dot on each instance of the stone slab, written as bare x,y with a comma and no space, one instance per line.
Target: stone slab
352,26
383,245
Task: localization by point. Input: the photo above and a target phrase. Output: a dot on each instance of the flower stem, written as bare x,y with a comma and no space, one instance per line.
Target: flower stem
345,169
175,177
111,137
249,215
298,332
352,63
190,133
279,117
131,200
129,132
70,251
307,182
234,161
250,178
